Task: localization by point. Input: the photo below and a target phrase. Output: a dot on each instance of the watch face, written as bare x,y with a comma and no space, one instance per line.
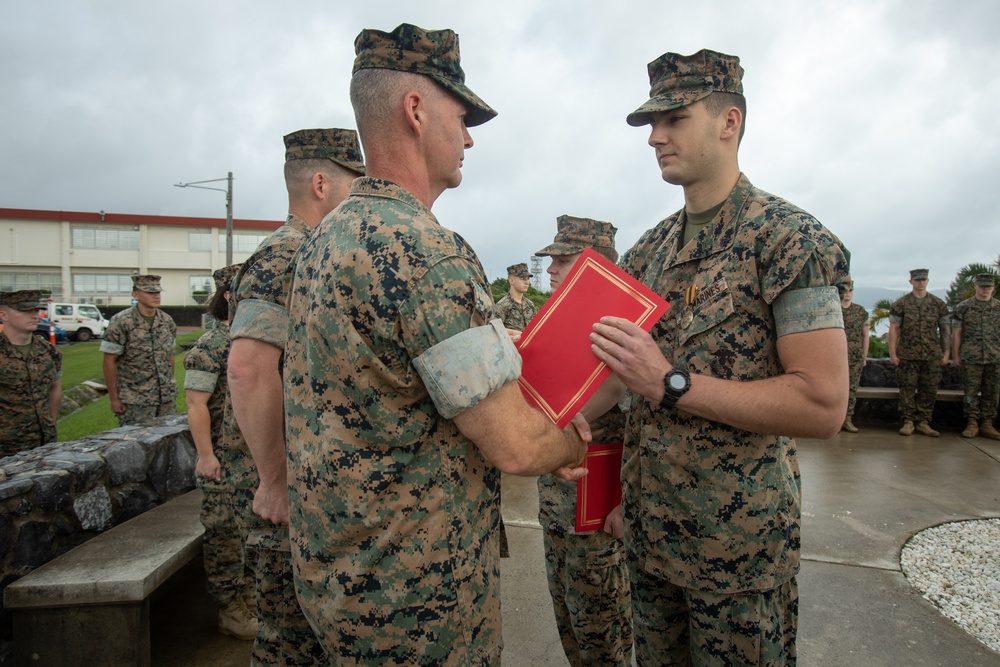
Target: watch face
677,382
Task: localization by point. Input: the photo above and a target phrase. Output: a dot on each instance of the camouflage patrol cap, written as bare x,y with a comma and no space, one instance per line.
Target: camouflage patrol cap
676,81
433,53
224,276
575,235
986,279
146,283
918,274
26,300
518,270
340,146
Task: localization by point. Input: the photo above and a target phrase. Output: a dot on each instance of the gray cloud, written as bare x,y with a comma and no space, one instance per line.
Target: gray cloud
875,116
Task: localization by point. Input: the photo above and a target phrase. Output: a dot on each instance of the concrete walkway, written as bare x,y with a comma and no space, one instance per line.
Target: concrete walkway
864,495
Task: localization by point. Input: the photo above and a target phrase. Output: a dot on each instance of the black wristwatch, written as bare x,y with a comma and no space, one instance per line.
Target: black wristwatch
675,384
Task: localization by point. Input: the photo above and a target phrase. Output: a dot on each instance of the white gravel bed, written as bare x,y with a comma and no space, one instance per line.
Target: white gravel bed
957,568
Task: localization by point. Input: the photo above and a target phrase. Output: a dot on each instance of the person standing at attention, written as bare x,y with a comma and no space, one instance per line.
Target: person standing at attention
401,400
857,330
587,575
975,346
138,349
751,354
515,310
229,579
919,346
30,372
319,167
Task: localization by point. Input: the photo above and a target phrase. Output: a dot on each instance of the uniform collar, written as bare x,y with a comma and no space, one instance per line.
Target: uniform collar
718,234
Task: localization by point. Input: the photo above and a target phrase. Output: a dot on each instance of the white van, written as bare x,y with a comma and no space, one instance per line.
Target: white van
81,321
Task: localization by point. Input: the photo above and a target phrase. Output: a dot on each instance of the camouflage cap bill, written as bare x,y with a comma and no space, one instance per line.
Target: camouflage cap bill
918,274
224,276
340,146
26,300
986,279
518,270
676,81
147,283
433,53
575,235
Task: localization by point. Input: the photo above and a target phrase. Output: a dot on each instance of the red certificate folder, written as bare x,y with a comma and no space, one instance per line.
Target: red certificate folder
601,490
559,372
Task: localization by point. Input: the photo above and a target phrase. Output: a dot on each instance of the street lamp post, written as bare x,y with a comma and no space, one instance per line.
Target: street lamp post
229,208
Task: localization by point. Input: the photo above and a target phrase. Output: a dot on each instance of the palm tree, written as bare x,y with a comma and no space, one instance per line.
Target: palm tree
963,286
880,313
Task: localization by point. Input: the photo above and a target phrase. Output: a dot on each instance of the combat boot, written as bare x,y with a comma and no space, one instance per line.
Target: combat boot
987,430
907,428
849,426
923,428
237,621
971,429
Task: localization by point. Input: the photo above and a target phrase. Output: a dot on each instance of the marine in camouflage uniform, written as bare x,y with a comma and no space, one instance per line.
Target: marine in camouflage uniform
712,505
587,574
856,328
976,349
330,159
394,513
516,313
229,579
138,349
30,387
919,345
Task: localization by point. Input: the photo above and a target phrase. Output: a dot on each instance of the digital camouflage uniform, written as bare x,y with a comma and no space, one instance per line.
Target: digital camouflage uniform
855,321
145,368
224,551
258,300
394,514
515,315
710,508
979,322
587,574
920,350
25,382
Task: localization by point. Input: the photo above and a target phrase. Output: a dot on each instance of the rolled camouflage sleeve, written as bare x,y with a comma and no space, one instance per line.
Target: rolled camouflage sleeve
466,368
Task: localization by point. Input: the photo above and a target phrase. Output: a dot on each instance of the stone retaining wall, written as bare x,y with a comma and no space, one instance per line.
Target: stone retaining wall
58,496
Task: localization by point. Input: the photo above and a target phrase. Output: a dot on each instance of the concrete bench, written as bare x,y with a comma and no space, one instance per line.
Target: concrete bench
893,393
90,606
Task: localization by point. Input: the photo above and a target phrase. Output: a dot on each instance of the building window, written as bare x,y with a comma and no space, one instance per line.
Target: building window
242,242
201,288
48,283
199,242
105,239
97,284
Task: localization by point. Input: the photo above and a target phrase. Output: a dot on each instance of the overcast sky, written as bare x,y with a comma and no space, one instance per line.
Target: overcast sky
876,116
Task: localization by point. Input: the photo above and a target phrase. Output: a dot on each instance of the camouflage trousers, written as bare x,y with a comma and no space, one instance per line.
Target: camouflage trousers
854,381
224,552
918,384
589,585
139,414
982,390
681,626
284,636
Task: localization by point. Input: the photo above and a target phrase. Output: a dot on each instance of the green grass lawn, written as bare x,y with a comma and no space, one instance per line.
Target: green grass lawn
82,362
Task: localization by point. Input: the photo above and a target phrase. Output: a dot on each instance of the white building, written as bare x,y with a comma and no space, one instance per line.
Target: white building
89,257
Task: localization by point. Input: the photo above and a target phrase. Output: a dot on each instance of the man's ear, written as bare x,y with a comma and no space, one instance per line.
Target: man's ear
415,111
734,121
